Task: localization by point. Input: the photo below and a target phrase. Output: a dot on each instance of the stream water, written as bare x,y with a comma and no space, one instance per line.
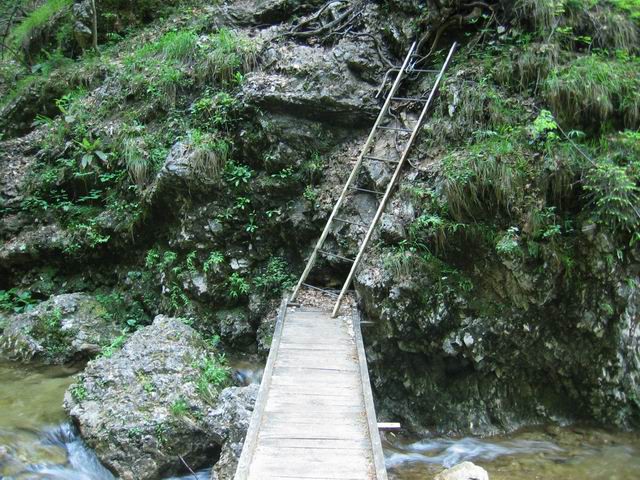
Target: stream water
37,441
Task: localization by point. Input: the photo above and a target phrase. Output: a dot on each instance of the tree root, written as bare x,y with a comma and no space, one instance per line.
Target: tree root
455,17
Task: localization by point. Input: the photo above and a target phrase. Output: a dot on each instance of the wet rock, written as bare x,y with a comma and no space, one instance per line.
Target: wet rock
230,419
147,406
464,471
64,328
234,326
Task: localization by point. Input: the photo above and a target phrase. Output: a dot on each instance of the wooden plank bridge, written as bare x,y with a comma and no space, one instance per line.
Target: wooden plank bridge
314,417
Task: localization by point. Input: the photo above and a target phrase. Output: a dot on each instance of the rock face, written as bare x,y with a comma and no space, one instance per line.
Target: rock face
151,404
516,358
315,83
82,28
179,172
464,471
64,328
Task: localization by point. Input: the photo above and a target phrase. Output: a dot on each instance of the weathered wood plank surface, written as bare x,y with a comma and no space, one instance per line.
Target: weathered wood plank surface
314,413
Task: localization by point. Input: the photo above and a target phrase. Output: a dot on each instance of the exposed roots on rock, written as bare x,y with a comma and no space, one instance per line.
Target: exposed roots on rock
334,17
459,14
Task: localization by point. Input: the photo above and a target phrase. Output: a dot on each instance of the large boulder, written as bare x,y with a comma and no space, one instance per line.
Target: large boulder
464,471
155,404
64,328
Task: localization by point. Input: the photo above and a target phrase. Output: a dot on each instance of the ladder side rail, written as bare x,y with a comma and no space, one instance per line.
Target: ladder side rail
354,172
392,183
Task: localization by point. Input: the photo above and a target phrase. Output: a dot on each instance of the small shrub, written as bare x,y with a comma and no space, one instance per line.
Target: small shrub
237,285
276,277
509,245
237,174
117,343
214,259
615,197
79,392
214,376
179,407
16,301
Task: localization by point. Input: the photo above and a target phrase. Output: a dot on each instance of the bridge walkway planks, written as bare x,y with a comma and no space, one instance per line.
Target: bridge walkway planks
314,416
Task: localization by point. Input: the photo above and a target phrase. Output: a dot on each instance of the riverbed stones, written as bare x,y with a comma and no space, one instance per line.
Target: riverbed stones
464,471
64,328
149,406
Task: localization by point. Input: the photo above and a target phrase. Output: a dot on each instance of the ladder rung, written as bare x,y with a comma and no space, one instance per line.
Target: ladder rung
324,290
397,129
337,256
344,220
366,191
378,159
410,99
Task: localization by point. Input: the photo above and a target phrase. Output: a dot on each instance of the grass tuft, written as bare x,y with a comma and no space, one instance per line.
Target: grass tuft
593,90
21,34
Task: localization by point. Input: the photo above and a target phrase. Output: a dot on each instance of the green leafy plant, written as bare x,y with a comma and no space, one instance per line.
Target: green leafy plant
16,301
91,151
509,245
237,174
179,407
79,392
237,285
545,126
214,259
214,375
615,197
117,343
276,277
310,194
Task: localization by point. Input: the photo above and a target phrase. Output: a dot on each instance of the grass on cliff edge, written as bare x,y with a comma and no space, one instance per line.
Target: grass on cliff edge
39,17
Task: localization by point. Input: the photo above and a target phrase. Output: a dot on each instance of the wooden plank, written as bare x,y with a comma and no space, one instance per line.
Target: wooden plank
244,463
374,435
389,427
312,422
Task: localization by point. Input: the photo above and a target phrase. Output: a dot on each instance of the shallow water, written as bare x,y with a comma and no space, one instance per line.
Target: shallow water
547,453
37,441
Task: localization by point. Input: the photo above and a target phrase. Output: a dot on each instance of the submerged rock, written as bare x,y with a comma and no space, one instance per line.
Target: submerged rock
64,328
155,403
464,471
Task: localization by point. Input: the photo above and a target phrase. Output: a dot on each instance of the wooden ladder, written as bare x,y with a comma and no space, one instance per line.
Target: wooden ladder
408,67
